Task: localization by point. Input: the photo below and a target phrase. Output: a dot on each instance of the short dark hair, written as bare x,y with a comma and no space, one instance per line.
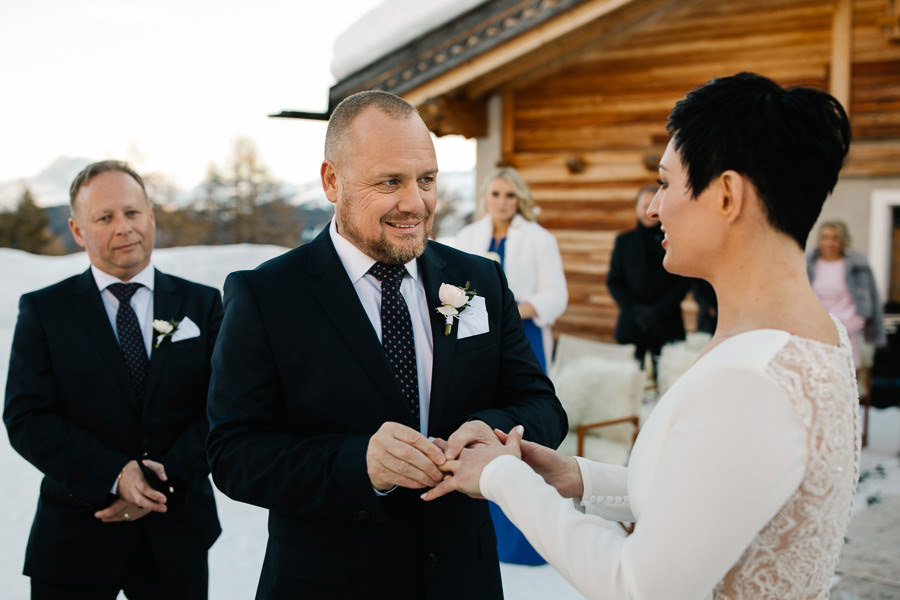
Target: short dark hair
350,107
104,166
790,143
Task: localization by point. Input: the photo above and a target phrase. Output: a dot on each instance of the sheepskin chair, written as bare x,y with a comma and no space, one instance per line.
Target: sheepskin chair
676,357
594,391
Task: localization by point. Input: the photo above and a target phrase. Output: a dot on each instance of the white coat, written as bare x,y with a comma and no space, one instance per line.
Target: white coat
532,264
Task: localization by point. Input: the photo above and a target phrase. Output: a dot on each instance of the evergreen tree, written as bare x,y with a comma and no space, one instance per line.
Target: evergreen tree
6,228
248,202
30,229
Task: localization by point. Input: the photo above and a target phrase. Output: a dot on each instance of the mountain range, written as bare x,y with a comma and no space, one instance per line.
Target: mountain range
50,187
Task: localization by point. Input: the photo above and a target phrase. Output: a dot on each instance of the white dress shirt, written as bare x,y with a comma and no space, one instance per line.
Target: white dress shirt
141,302
368,288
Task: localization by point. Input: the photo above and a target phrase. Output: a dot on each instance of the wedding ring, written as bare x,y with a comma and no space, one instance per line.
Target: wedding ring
126,516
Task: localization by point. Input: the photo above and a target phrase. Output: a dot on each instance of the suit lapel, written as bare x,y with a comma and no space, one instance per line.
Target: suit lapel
167,304
88,305
340,302
433,272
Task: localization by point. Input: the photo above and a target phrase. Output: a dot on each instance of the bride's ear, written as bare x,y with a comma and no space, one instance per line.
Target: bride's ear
733,194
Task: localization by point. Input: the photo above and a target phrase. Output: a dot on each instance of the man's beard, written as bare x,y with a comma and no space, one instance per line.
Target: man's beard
381,249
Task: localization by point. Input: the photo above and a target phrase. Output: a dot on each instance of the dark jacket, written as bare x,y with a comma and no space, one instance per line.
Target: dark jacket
300,383
71,411
649,297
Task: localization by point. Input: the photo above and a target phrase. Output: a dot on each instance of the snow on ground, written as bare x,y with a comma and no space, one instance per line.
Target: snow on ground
236,557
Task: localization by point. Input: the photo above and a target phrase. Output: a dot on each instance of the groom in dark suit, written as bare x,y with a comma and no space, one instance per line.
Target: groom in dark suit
338,390
107,368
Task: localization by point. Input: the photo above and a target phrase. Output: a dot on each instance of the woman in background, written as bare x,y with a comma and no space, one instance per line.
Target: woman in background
741,480
527,252
843,281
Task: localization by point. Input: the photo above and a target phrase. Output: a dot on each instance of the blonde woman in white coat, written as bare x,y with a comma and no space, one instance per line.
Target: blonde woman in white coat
508,232
528,253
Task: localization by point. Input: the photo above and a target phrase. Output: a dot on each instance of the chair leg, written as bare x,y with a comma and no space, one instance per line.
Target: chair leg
865,427
866,403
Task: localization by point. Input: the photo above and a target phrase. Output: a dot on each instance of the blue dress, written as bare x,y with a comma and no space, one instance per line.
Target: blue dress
512,547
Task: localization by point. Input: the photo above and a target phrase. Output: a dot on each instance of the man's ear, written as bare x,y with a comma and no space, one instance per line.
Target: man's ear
329,180
733,189
75,228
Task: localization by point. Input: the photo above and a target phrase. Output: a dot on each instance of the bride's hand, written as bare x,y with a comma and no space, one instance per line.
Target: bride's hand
464,474
558,469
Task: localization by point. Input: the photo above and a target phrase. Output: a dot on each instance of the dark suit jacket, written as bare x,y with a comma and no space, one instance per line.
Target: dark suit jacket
71,411
300,383
637,278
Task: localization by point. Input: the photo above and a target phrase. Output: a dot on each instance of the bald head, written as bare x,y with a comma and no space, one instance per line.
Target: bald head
340,132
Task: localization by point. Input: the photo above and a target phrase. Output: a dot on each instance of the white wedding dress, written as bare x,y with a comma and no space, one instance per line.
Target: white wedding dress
740,483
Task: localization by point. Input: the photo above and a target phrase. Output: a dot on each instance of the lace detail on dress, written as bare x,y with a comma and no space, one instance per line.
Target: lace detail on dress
796,553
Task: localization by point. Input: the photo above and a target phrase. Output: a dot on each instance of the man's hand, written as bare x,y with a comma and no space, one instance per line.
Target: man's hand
465,473
121,510
558,469
401,456
470,432
133,487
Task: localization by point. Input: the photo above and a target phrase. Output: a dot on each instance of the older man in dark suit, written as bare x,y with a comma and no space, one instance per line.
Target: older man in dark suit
109,368
339,390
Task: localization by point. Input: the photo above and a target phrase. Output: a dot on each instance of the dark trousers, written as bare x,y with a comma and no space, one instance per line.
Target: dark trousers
142,580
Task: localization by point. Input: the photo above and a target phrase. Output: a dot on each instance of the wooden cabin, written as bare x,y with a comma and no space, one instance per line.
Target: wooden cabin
575,94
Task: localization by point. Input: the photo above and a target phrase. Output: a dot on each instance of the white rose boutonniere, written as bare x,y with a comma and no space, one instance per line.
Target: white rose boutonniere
455,300
165,329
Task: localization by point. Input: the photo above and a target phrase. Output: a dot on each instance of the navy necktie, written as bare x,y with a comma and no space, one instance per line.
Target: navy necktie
397,333
130,339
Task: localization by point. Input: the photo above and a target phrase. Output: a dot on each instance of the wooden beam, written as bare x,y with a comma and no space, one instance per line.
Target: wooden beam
509,127
455,116
841,51
529,41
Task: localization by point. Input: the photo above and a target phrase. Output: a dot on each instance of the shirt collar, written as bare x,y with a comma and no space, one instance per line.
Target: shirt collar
104,279
356,262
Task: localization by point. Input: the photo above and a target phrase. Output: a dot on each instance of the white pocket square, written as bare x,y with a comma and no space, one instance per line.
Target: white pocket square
473,320
186,330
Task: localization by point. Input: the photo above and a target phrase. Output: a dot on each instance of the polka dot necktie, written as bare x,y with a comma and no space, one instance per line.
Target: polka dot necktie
397,332
130,339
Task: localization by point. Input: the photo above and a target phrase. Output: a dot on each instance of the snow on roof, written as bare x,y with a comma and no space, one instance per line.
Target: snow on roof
389,26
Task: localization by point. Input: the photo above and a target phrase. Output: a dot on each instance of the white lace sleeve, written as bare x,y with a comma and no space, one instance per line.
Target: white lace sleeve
730,454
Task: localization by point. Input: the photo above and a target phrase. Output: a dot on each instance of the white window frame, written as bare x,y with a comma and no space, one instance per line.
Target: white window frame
881,206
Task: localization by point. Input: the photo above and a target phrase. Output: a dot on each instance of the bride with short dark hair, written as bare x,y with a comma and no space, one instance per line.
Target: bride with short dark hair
741,481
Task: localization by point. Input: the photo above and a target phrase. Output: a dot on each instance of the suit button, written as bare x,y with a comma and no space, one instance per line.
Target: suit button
363,515
431,560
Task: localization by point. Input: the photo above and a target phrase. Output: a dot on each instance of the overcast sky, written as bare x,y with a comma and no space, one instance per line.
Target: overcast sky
168,84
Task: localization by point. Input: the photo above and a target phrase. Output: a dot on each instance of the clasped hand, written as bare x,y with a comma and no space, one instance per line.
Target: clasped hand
401,456
136,497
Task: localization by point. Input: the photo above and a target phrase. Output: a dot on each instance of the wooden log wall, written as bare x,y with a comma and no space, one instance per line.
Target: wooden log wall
587,137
